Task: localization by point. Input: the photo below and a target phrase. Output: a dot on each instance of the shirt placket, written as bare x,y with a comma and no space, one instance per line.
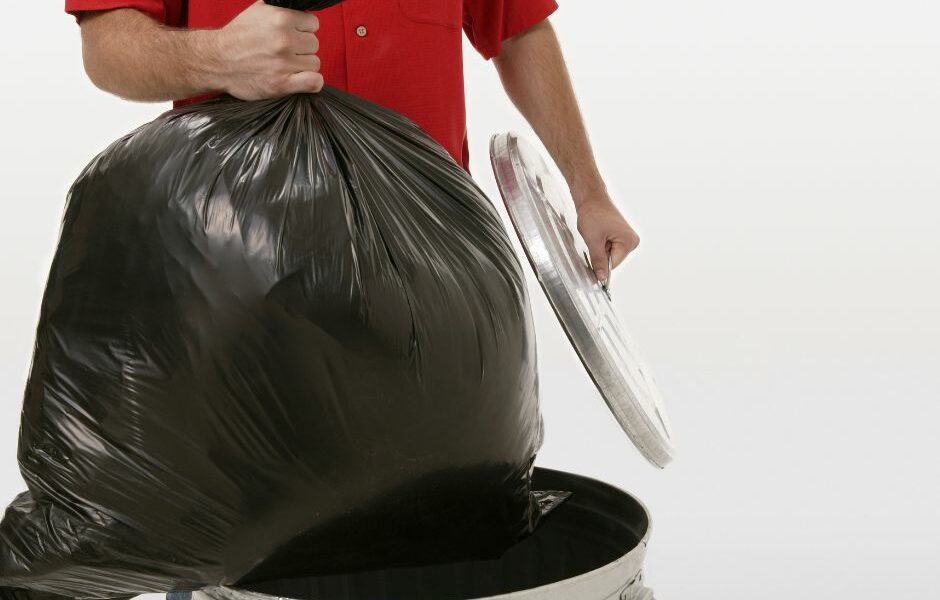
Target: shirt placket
360,27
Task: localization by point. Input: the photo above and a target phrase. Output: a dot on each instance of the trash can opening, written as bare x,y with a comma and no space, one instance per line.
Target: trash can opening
597,526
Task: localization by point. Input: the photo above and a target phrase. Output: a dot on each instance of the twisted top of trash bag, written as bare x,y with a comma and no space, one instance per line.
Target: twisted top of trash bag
303,4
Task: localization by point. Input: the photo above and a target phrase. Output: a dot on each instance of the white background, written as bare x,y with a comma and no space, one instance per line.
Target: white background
781,162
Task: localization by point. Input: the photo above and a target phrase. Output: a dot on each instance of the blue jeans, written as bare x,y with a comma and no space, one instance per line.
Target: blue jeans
179,596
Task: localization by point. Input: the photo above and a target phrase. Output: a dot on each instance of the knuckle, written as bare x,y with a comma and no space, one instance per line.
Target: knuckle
281,66
281,19
283,41
278,86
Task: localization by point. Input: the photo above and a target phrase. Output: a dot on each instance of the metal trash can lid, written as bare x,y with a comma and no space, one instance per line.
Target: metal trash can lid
542,214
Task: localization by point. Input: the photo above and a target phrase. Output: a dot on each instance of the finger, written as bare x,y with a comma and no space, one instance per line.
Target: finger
304,82
307,22
305,43
304,62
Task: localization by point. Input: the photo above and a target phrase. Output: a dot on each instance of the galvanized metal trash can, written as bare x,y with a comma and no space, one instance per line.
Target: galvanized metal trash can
592,547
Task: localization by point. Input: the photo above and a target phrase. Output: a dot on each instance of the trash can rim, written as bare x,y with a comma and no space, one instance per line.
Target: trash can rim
602,579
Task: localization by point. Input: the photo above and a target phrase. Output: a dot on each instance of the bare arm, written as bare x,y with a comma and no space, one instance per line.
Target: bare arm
534,74
264,52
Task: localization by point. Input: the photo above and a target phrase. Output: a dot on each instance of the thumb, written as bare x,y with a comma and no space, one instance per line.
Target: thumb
304,82
618,252
598,249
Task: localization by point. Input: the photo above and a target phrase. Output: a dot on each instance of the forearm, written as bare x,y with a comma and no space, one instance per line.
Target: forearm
534,74
130,55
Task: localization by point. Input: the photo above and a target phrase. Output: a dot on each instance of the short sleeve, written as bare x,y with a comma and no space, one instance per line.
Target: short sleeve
167,12
488,23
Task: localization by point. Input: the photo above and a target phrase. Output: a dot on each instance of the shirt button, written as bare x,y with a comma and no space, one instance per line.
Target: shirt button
361,31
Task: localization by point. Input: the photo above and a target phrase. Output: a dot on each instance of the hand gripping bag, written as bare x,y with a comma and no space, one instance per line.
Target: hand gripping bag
278,338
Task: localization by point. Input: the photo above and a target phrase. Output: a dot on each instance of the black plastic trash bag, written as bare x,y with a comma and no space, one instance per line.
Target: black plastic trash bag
278,338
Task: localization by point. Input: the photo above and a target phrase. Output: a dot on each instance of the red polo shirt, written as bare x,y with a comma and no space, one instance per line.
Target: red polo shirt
405,55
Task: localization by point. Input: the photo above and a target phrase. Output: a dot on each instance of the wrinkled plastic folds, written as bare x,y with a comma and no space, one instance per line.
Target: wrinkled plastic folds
278,338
